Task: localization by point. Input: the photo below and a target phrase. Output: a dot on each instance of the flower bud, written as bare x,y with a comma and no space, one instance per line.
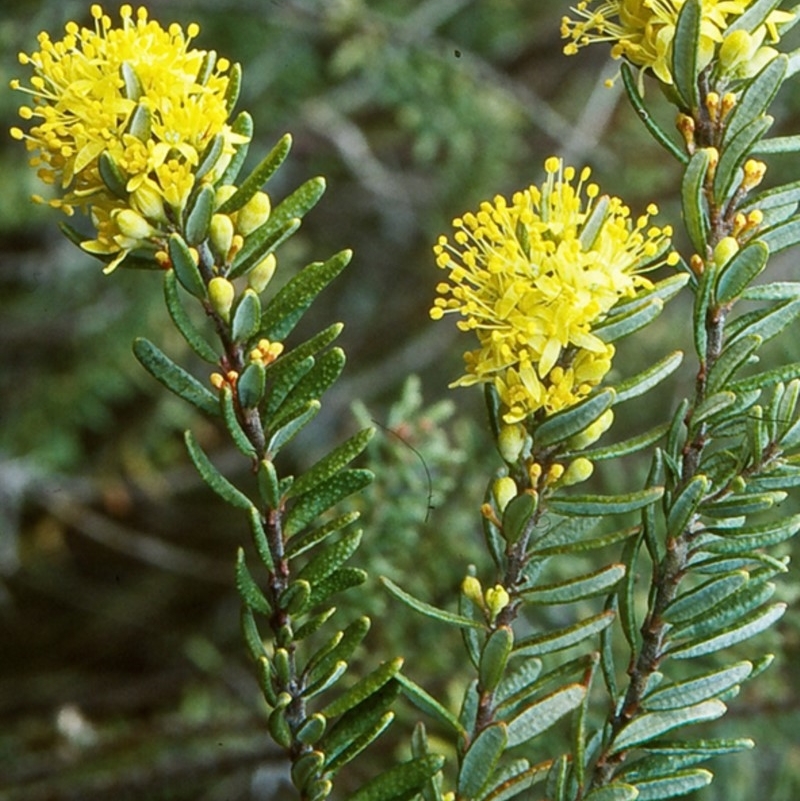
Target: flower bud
725,250
471,587
221,294
220,230
592,433
736,49
148,200
253,214
504,490
497,599
511,441
223,193
577,471
132,225
260,276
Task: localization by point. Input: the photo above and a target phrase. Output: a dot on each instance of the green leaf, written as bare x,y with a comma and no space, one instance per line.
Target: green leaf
765,323
597,582
494,658
359,726
754,16
703,597
649,378
694,208
777,144
331,558
686,54
182,321
540,716
232,424
653,724
592,225
603,504
625,599
243,125
428,704
113,176
558,640
625,447
781,236
210,156
711,405
616,791
290,429
185,267
332,463
751,538
363,688
296,598
198,216
260,243
312,385
250,634
740,271
480,759
564,424
784,373
735,153
260,538
175,378
260,175
247,587
706,747
512,779
582,545
629,82
734,356
247,317
339,648
322,497
519,684
213,477
680,783
401,781
749,627
620,325
517,516
755,100
251,384
287,307
701,688
427,609
684,507
301,544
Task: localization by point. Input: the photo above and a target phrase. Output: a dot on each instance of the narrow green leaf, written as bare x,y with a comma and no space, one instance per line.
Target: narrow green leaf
210,156
658,133
511,780
782,236
428,704
701,688
494,658
326,467
327,368
540,716
777,144
711,405
331,558
743,504
751,538
213,477
558,640
627,446
480,759
363,688
322,497
238,436
686,54
290,429
706,747
704,597
250,634
564,424
266,239
620,325
735,153
765,323
242,125
313,624
756,99
616,791
339,648
258,177
359,743
694,209
749,627
590,544
649,378
247,317
754,16
603,504
113,177
185,267
625,599
734,356
427,609
251,385
198,216
784,373
653,724
575,589
301,544
517,516
684,507
400,781
681,783
296,598
247,587
182,321
287,307
174,378
702,302
740,271
260,538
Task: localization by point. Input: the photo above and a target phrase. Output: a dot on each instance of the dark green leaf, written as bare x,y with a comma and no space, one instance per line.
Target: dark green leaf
175,378
540,716
428,704
182,322
480,759
740,271
113,177
684,507
298,545
292,427
247,317
210,156
648,378
401,781
248,589
251,384
703,597
494,658
734,356
680,783
263,241
784,373
198,216
698,689
363,688
339,581
735,153
331,558
238,435
569,590
755,100
213,477
517,516
558,640
427,609
185,267
564,424
603,504
242,125
686,54
694,204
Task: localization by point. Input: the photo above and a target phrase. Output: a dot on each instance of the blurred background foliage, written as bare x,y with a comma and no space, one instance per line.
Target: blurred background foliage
121,669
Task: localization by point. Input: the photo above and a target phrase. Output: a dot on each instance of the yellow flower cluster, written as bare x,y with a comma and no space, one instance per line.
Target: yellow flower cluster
532,277
642,31
120,118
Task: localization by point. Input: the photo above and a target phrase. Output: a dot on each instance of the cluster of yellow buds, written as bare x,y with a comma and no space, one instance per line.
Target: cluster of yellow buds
492,601
559,475
218,381
266,352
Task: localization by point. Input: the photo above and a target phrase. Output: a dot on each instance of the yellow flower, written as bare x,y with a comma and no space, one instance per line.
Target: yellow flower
532,277
126,113
642,31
